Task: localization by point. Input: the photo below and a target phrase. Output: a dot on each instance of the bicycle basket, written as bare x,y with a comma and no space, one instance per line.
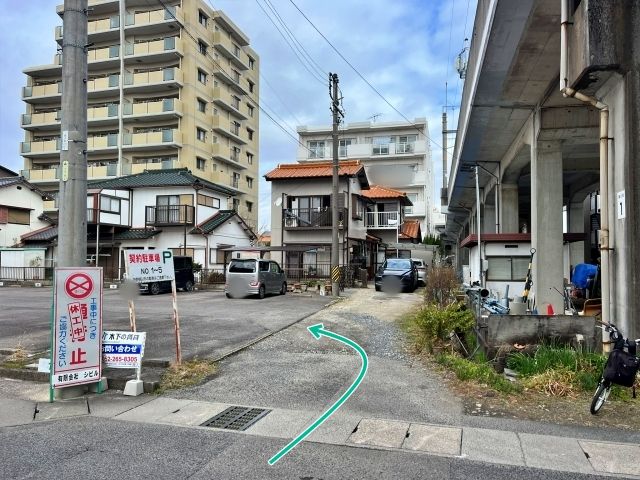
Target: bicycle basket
621,368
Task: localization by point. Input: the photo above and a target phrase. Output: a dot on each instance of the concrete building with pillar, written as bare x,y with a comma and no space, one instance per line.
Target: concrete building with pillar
172,84
548,141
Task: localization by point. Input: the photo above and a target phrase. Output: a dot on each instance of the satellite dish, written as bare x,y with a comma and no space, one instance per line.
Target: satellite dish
278,201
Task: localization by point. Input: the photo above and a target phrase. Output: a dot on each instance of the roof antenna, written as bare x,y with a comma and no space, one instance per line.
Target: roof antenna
375,116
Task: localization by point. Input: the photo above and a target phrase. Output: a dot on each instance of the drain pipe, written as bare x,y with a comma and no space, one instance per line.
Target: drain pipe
478,227
605,257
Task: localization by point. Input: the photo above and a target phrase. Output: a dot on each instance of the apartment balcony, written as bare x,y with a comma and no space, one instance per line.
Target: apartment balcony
163,165
169,215
365,150
103,86
152,140
225,100
155,51
102,144
312,218
42,93
106,57
40,148
98,172
40,121
149,82
231,79
42,175
382,220
154,21
50,206
417,210
103,116
101,30
151,111
224,154
228,129
227,47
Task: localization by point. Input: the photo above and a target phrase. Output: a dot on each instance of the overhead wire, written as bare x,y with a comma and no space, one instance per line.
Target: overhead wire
420,130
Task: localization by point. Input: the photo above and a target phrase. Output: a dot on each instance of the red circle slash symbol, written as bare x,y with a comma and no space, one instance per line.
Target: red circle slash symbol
79,286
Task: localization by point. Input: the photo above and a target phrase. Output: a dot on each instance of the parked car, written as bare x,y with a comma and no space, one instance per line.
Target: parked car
252,276
183,268
422,270
397,274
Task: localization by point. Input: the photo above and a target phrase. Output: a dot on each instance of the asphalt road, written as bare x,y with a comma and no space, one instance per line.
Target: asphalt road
210,323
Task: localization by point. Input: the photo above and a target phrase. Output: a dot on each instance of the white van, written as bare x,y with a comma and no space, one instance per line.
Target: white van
252,276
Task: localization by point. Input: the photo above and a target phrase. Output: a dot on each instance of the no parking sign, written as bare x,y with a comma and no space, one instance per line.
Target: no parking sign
77,326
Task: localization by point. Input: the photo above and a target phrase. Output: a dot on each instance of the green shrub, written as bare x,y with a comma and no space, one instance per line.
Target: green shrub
481,372
433,322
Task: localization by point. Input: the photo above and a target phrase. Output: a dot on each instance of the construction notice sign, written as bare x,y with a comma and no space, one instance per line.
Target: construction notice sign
122,349
149,266
77,326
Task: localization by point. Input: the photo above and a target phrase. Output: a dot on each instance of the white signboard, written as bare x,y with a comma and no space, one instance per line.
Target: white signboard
77,326
65,141
620,205
122,349
149,265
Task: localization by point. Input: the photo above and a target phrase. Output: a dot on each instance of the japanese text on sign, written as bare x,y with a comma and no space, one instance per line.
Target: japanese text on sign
146,266
122,349
77,326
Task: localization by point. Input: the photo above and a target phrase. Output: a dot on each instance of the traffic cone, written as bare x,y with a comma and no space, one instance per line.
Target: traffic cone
550,309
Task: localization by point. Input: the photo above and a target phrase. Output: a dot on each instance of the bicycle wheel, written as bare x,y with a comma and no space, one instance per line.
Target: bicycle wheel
601,395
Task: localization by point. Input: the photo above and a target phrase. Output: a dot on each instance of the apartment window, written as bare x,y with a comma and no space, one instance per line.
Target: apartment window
235,181
202,18
235,128
202,47
342,146
17,216
249,182
251,86
236,204
414,198
235,155
316,149
250,158
250,110
381,145
109,204
406,143
252,63
236,76
235,102
200,163
202,77
508,268
249,206
207,201
249,134
201,134
202,105
236,50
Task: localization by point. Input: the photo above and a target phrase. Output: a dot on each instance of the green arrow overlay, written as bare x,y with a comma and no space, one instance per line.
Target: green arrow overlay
317,331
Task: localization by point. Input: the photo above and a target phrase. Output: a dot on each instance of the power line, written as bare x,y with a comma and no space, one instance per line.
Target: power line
425,133
216,63
313,73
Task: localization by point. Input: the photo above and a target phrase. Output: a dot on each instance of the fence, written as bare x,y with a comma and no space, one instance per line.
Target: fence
322,272
210,277
21,274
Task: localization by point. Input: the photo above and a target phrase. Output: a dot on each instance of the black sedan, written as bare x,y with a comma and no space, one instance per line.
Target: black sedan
397,274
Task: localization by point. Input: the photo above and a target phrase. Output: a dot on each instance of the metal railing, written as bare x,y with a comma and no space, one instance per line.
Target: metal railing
383,220
169,215
311,217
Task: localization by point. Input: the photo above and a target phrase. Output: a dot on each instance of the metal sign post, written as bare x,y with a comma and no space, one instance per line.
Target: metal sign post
176,321
125,350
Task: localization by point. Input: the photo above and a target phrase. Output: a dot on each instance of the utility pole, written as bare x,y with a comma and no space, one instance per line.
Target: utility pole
335,216
444,151
72,198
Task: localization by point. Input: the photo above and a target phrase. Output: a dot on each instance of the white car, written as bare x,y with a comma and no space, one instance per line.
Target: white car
422,270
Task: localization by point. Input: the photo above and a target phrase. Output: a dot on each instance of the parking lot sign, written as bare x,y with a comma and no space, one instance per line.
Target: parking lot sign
77,327
149,265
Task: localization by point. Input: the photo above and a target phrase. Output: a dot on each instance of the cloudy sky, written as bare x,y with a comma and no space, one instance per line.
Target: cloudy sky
406,49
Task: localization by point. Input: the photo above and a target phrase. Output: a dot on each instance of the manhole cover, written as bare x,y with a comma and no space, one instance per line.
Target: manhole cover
236,418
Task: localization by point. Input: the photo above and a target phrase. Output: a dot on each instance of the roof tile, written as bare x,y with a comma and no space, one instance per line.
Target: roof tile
315,169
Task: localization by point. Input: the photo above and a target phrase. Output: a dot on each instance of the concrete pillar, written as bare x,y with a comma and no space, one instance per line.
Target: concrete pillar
576,225
489,225
509,215
546,224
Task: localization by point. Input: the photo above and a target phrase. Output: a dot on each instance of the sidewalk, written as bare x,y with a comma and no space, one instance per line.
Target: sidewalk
343,429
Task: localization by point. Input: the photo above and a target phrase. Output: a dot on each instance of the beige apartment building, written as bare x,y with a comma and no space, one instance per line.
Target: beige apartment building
171,84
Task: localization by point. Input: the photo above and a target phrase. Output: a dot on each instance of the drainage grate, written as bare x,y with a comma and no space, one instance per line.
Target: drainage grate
236,418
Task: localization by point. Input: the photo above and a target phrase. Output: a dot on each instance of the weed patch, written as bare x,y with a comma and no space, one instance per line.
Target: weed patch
484,373
187,374
433,323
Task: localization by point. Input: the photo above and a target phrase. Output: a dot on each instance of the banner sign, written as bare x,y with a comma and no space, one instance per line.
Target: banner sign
122,349
77,326
149,265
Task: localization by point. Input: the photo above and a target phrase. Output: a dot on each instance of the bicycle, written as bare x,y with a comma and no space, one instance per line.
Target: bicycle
621,367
